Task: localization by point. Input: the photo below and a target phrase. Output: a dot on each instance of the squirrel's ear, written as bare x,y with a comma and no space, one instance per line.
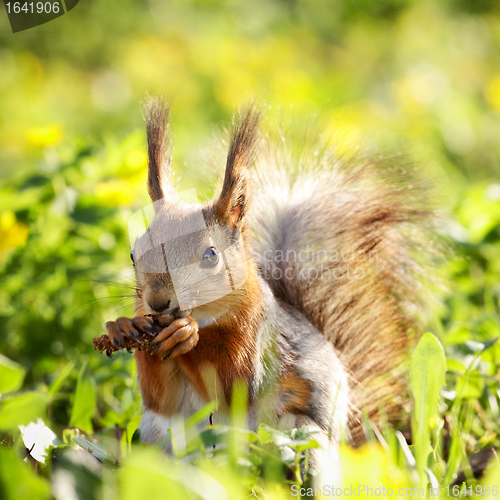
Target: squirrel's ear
233,201
159,147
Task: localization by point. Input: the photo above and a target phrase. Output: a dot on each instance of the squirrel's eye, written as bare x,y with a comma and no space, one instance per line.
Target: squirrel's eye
212,256
132,256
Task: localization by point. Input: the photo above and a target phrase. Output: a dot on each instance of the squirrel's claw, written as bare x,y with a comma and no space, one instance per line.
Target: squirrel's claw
154,344
118,342
183,347
177,338
134,335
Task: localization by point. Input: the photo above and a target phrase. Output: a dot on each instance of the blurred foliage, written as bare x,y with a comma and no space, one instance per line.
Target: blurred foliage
415,76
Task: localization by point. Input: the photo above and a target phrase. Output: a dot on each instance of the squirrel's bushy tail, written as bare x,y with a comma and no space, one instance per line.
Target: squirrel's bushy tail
345,242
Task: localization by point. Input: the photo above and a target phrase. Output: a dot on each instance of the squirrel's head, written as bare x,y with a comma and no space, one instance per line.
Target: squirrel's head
193,255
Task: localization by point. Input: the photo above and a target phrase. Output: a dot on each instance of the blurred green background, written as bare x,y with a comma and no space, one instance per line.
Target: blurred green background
412,76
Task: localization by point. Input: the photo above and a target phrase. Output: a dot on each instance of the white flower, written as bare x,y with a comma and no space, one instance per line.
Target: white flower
37,437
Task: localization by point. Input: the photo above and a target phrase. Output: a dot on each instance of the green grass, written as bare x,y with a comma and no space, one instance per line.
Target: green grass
97,462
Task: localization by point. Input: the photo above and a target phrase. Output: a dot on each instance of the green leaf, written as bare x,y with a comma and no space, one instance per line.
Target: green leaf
267,434
202,415
427,374
264,434
18,480
11,375
214,434
306,432
22,409
146,475
303,444
126,441
56,385
69,434
84,404
471,385
455,366
95,449
112,418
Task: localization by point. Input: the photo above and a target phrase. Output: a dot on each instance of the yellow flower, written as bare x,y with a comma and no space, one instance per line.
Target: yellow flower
370,466
12,232
492,92
40,137
116,192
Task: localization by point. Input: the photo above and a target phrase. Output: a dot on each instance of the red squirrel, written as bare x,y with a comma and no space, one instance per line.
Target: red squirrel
300,278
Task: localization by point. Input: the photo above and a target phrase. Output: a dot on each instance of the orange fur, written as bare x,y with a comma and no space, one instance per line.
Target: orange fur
294,393
158,379
159,382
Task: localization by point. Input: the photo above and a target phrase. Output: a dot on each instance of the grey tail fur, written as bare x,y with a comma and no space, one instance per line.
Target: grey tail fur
345,242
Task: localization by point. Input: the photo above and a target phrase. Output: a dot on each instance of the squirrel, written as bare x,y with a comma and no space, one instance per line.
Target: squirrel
302,278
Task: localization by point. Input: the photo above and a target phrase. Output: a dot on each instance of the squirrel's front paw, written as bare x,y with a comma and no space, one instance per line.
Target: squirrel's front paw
177,338
123,329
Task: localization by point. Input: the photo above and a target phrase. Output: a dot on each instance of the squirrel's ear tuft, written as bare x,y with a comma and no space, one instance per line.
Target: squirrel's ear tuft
157,114
233,201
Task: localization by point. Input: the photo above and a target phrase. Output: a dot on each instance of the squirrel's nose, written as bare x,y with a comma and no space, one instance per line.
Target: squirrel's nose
158,305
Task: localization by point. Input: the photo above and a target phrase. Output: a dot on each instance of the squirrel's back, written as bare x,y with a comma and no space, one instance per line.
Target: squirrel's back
345,242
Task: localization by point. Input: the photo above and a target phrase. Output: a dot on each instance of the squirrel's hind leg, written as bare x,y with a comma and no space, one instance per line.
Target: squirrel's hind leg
155,429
